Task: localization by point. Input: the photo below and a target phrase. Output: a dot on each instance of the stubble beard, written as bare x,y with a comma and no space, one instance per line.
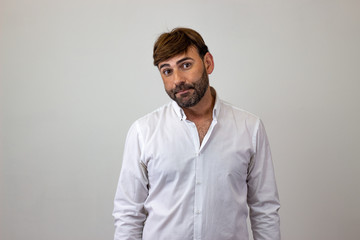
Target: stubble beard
192,98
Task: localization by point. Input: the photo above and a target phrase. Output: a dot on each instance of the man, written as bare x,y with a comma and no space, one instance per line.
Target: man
192,167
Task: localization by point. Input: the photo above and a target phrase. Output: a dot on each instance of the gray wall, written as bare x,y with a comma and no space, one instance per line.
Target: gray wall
75,74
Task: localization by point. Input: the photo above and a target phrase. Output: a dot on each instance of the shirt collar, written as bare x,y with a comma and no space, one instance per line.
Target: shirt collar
182,116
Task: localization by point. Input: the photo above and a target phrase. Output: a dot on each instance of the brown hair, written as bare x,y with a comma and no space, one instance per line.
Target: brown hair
177,41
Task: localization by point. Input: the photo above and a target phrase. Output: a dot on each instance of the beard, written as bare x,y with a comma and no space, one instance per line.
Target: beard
191,98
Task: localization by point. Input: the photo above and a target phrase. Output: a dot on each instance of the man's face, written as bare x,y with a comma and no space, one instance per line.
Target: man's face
185,78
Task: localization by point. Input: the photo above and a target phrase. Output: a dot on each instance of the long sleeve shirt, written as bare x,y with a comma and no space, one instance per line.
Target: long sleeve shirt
171,187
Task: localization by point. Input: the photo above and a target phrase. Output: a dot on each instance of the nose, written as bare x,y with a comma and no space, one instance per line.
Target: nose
178,77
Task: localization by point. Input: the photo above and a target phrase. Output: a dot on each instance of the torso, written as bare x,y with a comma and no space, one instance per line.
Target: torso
202,128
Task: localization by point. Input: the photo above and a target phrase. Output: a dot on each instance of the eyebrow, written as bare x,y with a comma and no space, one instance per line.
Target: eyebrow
178,62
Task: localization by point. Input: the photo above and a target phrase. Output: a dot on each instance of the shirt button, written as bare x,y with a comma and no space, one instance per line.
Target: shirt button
197,212
198,183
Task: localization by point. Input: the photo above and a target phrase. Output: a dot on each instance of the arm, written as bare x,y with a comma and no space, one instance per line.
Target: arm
132,190
263,199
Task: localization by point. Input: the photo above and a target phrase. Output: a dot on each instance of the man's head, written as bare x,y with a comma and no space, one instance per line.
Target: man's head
184,63
177,41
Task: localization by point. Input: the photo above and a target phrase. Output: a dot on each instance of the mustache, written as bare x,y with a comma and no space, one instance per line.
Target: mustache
182,87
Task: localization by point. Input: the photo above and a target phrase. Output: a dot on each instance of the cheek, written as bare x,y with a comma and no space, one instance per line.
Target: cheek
196,74
167,84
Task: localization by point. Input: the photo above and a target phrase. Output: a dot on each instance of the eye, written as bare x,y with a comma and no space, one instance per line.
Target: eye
186,65
167,72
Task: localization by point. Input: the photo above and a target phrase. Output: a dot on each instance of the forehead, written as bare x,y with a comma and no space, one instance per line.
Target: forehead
191,52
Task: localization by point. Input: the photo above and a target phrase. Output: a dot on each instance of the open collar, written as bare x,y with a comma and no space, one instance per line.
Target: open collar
182,116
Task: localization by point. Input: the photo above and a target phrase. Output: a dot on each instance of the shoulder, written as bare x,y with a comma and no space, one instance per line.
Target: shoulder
229,111
155,119
156,115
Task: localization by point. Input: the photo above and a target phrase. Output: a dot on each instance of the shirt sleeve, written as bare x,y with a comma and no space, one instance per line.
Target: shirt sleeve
263,199
132,190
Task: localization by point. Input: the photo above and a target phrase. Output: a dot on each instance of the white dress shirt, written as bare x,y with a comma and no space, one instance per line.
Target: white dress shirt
173,188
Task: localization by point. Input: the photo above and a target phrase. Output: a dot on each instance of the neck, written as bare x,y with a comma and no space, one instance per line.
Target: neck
203,109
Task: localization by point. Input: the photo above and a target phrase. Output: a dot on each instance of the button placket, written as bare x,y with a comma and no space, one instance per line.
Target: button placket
198,197
197,178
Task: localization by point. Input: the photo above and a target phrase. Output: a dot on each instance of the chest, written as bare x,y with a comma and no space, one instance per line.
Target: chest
202,128
174,156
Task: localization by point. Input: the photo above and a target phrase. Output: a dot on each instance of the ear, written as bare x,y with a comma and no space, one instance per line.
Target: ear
209,63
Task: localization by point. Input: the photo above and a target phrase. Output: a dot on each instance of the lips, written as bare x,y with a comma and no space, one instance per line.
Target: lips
182,90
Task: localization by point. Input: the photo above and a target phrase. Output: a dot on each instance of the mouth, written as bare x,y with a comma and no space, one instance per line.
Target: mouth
184,91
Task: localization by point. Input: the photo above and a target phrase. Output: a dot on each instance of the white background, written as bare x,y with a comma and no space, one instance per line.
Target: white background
75,74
